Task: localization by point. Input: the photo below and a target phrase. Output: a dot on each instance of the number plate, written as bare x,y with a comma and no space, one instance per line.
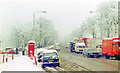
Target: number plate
50,60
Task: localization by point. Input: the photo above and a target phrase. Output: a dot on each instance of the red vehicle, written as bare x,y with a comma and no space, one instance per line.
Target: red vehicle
111,47
12,52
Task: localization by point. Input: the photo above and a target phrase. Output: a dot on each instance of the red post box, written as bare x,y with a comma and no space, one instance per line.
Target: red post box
31,47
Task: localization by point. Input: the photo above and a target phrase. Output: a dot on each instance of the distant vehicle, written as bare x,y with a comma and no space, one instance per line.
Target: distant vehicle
66,47
90,52
50,58
111,47
52,47
72,46
11,52
57,48
8,48
79,47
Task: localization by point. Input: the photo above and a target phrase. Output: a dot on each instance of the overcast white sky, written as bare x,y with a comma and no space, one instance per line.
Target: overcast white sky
66,14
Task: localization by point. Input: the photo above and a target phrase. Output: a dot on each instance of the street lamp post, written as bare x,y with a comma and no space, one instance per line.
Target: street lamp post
34,17
34,22
101,23
45,41
93,26
101,26
23,46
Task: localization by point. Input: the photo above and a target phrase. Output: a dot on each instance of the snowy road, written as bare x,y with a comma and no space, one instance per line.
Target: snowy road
93,64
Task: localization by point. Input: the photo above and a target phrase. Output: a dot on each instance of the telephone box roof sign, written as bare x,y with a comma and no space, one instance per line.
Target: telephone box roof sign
84,38
31,41
76,39
8,47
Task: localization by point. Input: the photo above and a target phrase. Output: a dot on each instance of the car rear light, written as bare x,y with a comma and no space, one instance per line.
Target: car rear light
43,61
58,60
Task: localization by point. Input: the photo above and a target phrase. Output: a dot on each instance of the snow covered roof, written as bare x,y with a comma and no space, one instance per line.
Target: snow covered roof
116,40
50,51
80,44
39,50
8,47
108,38
31,41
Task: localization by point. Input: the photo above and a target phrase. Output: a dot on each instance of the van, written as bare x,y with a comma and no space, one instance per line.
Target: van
79,47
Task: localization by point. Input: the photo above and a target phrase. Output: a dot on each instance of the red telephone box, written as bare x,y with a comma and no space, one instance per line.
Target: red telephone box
31,47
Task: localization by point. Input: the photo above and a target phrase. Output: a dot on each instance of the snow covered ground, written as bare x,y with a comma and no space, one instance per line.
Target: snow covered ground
20,63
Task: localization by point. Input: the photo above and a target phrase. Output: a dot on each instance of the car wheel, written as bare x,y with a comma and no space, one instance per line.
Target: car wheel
106,56
88,55
117,57
43,66
58,65
96,56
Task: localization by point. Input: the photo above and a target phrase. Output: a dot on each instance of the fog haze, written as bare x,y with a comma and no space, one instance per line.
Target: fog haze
66,15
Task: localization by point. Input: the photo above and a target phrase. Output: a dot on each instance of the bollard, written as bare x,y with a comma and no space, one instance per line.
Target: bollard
3,58
6,59
12,56
35,60
0,58
31,57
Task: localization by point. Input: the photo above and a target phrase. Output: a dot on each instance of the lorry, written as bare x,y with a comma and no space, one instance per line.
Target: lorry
77,47
111,47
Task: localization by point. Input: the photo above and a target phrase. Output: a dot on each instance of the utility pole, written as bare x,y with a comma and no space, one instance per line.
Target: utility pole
23,46
101,26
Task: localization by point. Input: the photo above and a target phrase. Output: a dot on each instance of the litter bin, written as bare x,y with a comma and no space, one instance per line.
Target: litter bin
23,52
16,50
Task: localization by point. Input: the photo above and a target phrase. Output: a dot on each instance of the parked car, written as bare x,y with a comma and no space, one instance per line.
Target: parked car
91,52
49,58
57,48
12,52
40,53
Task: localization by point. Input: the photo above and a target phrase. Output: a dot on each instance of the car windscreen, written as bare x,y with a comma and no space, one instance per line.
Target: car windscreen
50,55
118,45
92,49
80,46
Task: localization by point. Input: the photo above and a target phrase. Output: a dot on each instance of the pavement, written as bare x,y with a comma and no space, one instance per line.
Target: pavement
20,63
